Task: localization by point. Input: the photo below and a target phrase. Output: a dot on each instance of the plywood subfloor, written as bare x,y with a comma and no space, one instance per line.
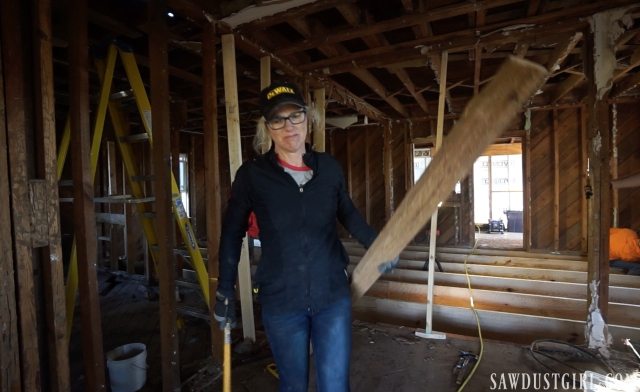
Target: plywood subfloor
504,240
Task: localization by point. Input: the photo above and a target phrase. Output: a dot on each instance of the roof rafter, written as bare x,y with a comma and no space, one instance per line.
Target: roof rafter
396,23
334,90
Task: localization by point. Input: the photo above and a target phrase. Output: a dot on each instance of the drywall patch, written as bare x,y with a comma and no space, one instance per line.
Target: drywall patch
606,27
596,143
596,331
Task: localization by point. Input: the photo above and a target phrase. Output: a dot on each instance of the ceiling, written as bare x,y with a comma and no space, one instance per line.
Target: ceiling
379,59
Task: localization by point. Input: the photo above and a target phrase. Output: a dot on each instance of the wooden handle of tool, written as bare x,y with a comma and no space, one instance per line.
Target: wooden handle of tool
226,360
486,117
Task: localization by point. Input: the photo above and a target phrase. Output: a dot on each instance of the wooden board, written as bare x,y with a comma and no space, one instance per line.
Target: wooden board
165,226
52,265
495,325
235,160
9,346
18,118
486,117
84,219
212,173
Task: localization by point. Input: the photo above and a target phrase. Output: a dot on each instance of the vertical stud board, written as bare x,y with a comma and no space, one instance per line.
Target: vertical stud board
212,172
52,268
16,123
9,346
165,226
83,207
235,160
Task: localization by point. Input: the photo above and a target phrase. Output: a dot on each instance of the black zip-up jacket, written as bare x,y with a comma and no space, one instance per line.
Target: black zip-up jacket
303,263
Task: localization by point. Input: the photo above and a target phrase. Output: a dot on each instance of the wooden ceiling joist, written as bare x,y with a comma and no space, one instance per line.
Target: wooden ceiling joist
565,87
334,90
634,61
563,21
626,85
396,23
365,76
411,88
418,49
290,15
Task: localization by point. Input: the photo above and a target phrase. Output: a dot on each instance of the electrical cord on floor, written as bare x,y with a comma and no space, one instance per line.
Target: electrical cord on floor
536,350
475,312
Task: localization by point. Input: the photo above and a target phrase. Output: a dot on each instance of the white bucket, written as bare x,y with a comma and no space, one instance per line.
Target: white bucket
127,367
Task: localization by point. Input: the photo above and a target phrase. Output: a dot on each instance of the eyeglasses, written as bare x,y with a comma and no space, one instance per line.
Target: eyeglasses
294,118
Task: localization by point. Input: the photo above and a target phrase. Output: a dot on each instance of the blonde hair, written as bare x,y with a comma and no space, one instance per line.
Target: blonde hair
262,139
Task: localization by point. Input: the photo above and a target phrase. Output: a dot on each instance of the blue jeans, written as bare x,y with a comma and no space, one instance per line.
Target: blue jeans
329,330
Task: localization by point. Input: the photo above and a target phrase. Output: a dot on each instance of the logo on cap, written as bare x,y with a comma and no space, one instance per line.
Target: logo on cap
278,91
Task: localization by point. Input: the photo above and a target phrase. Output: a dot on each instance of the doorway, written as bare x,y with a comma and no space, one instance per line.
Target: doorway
499,198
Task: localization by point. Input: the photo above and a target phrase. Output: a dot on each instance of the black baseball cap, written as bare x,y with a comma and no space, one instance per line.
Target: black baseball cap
278,94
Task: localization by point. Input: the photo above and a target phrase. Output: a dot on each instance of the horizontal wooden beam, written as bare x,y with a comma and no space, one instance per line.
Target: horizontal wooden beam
495,325
510,302
503,149
486,252
526,262
533,274
456,277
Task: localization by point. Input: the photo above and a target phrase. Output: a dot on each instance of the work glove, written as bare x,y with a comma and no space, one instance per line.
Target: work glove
225,309
388,266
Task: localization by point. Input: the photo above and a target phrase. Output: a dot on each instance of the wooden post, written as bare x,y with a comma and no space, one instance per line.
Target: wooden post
212,173
51,256
526,186
615,208
178,121
556,181
598,75
428,329
387,162
367,175
161,153
584,178
83,207
349,165
318,129
16,123
235,160
476,69
9,345
265,72
178,114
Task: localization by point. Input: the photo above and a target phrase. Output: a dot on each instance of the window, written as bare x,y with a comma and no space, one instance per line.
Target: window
183,181
421,160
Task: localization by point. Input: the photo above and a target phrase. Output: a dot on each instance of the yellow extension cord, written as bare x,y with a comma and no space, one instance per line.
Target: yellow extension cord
475,366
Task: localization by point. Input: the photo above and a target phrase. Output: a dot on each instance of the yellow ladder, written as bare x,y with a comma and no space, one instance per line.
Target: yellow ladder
105,69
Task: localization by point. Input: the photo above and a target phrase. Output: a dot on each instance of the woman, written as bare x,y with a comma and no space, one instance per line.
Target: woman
297,194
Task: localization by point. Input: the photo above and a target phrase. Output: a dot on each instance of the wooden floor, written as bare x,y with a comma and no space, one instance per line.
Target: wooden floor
504,240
